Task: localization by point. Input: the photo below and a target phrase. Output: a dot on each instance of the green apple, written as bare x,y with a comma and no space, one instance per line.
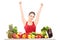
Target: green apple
29,36
33,36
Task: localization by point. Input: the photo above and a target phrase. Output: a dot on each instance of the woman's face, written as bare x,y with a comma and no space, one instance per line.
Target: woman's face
31,16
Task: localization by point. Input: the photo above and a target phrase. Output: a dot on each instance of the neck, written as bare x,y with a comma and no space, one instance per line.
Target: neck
29,20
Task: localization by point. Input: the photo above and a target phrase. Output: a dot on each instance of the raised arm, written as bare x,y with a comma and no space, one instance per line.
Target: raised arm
38,14
22,15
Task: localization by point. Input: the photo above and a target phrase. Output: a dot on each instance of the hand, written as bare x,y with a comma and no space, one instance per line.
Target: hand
41,4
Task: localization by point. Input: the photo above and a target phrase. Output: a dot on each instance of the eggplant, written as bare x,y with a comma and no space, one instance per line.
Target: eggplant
50,34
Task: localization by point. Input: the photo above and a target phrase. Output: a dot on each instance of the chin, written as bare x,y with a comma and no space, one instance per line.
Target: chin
31,19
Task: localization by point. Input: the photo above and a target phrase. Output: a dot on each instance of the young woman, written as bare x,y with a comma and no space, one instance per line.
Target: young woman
30,26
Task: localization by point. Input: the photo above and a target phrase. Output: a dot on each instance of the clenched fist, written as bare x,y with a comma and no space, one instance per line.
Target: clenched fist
41,4
20,2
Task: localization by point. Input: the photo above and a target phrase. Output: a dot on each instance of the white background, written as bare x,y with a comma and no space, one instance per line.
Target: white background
10,14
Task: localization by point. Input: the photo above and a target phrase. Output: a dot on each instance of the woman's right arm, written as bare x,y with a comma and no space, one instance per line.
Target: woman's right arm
22,15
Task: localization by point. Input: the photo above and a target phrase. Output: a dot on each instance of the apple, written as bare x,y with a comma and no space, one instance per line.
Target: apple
29,36
38,36
46,36
24,35
41,36
14,35
19,34
33,36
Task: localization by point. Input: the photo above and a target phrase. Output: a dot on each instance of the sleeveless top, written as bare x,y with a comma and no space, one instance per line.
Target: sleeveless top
30,28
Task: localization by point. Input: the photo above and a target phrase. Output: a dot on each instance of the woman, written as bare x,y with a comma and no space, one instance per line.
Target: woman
30,26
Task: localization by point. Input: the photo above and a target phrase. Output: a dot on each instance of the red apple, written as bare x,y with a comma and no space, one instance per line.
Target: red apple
14,35
38,36
20,34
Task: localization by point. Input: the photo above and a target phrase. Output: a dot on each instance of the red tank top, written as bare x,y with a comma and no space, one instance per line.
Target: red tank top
30,28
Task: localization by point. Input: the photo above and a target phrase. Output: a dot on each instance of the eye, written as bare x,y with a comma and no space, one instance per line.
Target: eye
33,16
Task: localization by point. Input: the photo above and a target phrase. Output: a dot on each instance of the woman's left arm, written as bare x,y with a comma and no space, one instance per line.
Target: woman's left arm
38,14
